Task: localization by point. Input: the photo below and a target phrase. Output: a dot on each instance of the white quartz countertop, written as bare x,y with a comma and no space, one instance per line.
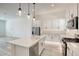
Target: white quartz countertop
68,36
24,42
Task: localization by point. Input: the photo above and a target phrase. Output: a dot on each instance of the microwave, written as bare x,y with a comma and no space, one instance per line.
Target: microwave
73,23
35,30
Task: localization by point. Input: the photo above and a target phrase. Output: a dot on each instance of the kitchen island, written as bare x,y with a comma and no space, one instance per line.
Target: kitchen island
27,47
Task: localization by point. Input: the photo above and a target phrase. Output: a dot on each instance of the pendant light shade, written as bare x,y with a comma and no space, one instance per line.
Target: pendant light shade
19,10
34,12
28,15
33,18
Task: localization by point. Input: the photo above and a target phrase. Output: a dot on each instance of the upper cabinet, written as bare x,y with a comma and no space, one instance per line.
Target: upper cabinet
71,15
71,11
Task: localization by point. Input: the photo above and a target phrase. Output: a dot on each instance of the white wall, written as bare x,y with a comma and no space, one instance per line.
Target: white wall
53,23
2,28
19,27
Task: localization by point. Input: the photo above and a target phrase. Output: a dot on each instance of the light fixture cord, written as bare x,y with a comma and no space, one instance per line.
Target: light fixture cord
34,9
19,5
28,9
77,9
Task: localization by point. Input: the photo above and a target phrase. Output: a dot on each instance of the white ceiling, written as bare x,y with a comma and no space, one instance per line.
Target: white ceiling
9,10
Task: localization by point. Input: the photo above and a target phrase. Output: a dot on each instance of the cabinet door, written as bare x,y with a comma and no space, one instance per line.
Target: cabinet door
40,47
69,52
75,52
19,50
34,50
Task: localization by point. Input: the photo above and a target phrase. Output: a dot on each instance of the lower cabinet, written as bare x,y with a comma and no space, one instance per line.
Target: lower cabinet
76,52
72,51
34,50
24,51
19,50
41,45
69,52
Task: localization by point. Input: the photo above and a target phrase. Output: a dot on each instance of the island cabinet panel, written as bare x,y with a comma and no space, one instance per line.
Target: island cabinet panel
34,50
23,51
27,47
19,51
41,45
73,49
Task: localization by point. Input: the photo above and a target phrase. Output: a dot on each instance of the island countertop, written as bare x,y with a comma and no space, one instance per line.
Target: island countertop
27,42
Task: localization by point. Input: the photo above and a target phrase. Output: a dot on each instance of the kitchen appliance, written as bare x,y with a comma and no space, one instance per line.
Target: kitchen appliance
73,23
35,30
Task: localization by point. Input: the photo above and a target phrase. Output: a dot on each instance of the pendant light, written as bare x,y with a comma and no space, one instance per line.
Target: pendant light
34,12
28,15
19,10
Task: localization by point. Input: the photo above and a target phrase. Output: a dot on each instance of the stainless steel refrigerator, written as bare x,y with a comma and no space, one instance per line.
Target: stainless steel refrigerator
35,30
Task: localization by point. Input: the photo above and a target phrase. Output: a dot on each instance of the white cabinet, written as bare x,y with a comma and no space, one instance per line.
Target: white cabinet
19,51
69,51
73,49
41,45
72,9
24,51
24,47
76,51
27,47
34,50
